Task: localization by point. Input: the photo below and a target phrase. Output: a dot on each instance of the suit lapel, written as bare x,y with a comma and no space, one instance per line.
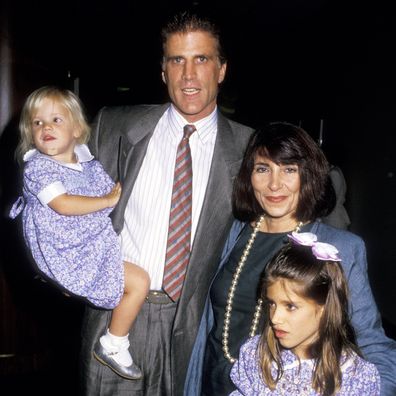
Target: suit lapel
133,147
215,219
225,165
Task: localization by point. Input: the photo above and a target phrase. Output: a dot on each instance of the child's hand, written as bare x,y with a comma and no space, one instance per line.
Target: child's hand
113,196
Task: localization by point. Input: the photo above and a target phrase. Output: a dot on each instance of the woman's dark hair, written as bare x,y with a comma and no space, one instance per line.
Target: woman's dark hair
324,283
286,144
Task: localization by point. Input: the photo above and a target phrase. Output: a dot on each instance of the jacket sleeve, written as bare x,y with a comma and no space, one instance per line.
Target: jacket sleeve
366,320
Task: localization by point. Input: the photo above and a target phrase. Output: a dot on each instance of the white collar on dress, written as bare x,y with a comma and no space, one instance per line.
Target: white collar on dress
291,361
81,150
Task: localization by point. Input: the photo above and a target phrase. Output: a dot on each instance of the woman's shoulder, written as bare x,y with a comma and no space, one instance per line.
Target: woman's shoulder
351,247
330,234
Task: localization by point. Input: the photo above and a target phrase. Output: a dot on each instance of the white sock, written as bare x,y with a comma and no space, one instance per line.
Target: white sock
119,345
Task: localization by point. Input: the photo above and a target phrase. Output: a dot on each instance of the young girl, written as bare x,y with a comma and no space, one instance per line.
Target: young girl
67,199
307,346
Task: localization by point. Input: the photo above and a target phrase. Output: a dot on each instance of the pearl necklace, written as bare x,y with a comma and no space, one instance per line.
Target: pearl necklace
231,293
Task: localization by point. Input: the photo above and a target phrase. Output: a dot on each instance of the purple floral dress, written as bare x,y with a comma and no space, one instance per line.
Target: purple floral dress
359,377
81,253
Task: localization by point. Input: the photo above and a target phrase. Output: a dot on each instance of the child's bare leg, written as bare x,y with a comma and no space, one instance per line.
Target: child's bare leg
112,348
136,287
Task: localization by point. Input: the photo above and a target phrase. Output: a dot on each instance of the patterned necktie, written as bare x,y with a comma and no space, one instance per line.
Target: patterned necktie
179,233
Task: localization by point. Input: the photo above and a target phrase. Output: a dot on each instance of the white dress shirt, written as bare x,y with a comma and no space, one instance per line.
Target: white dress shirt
144,236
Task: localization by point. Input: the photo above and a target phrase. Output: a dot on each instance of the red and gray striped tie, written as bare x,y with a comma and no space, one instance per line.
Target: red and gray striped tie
179,233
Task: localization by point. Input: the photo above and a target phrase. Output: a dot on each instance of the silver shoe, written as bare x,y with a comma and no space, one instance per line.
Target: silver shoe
131,372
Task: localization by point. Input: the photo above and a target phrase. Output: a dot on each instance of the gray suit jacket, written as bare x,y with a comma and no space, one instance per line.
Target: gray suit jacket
135,125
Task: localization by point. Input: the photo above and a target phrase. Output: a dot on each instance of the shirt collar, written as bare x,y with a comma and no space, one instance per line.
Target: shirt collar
204,127
81,150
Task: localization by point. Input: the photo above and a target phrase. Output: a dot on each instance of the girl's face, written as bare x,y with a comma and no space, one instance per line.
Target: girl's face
54,132
294,319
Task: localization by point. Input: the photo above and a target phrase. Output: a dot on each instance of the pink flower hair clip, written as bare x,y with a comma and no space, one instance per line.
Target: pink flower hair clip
321,250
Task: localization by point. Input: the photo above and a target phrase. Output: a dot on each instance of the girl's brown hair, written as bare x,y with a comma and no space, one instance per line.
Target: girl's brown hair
323,282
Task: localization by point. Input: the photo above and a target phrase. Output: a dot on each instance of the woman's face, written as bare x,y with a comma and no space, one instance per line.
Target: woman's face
294,319
276,187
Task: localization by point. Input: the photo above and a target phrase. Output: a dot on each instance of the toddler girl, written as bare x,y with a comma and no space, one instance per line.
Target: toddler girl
67,199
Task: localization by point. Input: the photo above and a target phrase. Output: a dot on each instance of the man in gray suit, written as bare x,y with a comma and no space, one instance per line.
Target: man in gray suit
138,146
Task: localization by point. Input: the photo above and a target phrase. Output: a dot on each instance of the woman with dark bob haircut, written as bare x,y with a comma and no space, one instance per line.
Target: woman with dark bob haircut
286,144
283,186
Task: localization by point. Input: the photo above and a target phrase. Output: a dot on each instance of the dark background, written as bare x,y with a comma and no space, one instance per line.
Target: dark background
294,60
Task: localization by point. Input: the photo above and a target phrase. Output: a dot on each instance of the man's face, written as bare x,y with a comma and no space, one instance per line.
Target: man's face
192,72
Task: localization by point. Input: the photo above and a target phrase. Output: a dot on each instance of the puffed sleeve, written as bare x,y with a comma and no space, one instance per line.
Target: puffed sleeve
360,377
245,371
370,380
42,179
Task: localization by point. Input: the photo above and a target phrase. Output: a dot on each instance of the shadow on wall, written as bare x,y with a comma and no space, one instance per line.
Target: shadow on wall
364,151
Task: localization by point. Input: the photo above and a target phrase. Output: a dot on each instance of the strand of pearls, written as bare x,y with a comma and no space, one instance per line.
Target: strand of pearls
231,293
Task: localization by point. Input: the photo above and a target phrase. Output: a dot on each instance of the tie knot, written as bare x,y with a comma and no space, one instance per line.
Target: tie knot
188,130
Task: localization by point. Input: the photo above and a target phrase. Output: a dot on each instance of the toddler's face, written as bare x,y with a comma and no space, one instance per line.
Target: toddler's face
54,132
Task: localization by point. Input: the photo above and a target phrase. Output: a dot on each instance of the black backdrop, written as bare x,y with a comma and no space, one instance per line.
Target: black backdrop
295,60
